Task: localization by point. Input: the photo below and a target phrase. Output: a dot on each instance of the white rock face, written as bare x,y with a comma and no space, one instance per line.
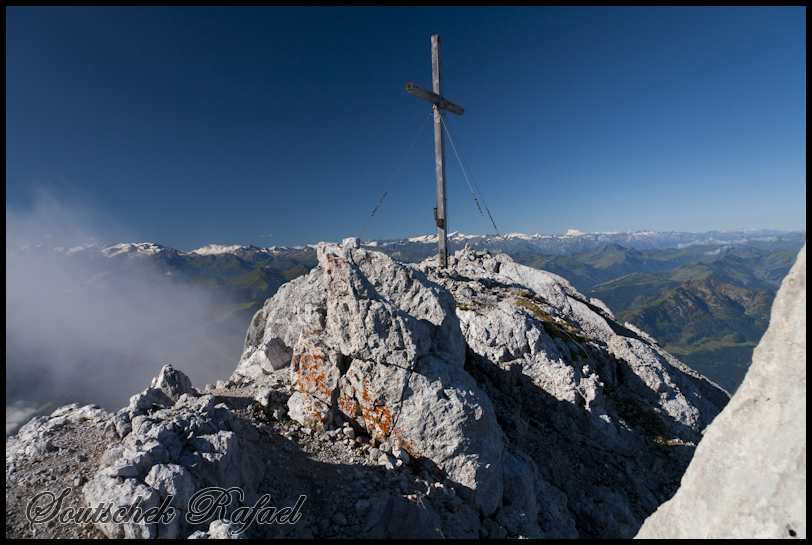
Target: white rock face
748,477
597,407
173,383
690,402
297,307
376,342
124,495
589,406
352,242
33,438
544,327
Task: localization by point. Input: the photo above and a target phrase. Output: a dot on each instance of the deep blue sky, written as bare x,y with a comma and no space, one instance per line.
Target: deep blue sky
193,126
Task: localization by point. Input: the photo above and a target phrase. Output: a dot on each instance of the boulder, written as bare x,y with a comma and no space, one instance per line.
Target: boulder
165,389
351,242
172,479
297,307
375,341
173,383
309,411
123,493
748,476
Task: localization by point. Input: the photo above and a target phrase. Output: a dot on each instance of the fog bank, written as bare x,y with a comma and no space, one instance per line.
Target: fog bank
80,328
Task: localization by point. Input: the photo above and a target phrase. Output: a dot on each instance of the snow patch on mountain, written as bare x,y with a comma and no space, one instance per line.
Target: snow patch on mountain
133,249
217,249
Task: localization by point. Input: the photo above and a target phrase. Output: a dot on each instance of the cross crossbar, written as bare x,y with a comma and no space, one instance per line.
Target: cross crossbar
429,96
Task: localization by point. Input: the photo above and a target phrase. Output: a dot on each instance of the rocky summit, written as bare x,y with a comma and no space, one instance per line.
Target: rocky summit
381,399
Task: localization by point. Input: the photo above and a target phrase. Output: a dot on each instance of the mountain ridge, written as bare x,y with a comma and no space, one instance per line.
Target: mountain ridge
710,325
570,243
228,271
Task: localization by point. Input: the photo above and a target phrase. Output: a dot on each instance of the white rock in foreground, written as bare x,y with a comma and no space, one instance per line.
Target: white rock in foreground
748,476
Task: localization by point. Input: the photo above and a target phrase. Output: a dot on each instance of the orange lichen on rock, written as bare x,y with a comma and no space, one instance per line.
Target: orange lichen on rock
313,370
317,417
377,415
310,411
405,444
349,405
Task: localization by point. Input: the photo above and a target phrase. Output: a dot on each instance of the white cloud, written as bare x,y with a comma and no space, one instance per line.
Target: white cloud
78,331
61,216
17,414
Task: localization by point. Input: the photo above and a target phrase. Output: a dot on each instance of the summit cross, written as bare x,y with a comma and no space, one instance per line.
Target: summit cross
440,103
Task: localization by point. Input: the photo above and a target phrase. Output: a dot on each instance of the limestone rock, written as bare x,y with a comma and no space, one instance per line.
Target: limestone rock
547,331
173,383
309,411
392,348
34,437
616,411
224,530
269,356
413,519
107,489
518,523
378,343
174,450
297,307
351,242
748,476
167,388
554,520
521,482
172,479
407,288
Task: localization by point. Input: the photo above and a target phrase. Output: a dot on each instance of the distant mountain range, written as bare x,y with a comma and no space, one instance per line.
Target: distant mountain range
706,297
418,248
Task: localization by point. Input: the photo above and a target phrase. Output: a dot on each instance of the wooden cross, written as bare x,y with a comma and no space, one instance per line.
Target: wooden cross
440,103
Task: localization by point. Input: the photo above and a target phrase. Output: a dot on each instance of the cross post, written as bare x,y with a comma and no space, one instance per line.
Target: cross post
440,103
